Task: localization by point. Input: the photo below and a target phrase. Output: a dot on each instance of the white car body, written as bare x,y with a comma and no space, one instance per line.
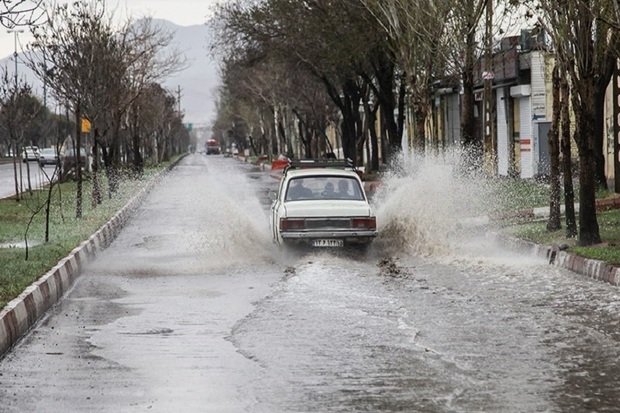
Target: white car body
320,218
30,153
48,156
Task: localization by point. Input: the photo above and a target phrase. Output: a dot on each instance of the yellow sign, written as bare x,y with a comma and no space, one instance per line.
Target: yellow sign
85,125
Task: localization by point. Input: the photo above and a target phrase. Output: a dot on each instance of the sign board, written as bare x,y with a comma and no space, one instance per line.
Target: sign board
85,125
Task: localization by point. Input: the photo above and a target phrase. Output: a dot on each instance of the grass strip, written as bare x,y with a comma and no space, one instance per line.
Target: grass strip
65,231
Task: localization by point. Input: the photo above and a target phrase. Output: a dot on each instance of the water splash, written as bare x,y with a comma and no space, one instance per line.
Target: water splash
236,226
424,202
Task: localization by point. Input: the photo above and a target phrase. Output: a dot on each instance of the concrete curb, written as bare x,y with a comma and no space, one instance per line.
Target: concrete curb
19,315
595,269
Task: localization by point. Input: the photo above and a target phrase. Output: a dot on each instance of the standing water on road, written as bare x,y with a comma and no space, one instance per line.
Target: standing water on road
193,309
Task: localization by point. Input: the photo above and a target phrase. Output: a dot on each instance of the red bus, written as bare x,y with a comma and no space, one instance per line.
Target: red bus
213,147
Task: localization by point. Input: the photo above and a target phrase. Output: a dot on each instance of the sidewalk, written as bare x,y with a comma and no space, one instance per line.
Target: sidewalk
555,254
20,314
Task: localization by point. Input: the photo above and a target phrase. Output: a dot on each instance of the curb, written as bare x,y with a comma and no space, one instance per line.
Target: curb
20,314
591,268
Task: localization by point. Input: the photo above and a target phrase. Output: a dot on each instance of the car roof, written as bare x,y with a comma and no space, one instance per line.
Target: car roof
297,173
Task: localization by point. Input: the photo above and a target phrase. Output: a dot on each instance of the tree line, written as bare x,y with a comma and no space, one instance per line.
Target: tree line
292,68
99,71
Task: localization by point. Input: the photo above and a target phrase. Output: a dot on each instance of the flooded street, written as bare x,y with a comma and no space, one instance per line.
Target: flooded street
194,309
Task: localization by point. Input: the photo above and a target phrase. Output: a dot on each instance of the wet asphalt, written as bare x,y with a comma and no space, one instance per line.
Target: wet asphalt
193,309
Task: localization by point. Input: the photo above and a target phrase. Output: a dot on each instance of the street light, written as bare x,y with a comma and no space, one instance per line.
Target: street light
15,31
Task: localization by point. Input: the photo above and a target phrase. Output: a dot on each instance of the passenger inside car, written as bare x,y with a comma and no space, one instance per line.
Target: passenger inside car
328,192
297,190
343,188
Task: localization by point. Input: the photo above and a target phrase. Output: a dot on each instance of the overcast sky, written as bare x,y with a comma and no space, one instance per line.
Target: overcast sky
181,12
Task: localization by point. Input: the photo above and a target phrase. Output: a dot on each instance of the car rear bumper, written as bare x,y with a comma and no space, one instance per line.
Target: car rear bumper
349,236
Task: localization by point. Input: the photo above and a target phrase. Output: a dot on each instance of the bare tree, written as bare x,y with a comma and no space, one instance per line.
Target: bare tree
583,44
554,221
335,42
15,13
416,29
150,118
99,69
17,114
567,161
145,57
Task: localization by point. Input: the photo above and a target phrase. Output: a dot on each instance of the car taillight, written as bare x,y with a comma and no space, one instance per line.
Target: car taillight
292,224
364,223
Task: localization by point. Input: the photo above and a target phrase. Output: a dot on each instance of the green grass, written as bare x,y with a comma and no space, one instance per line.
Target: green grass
518,194
608,250
66,232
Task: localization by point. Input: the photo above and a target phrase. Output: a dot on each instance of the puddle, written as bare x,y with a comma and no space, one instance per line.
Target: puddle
19,244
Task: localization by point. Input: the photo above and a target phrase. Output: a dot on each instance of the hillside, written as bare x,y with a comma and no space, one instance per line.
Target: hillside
198,82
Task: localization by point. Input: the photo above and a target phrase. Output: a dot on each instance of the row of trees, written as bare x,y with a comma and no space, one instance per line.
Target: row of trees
102,71
292,67
314,62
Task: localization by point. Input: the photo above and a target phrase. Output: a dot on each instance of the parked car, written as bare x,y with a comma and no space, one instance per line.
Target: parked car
30,153
68,159
322,204
48,156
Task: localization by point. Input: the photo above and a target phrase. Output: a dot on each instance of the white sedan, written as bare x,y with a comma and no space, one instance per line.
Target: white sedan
322,205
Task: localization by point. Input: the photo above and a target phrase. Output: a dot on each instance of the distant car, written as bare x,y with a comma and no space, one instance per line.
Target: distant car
68,159
322,204
213,147
30,153
48,156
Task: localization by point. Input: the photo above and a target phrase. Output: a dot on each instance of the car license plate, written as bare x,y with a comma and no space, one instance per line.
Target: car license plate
327,243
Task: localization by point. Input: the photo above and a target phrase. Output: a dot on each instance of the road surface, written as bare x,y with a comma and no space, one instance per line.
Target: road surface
193,309
38,177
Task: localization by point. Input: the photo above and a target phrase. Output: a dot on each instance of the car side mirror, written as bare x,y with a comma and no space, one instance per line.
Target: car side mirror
273,195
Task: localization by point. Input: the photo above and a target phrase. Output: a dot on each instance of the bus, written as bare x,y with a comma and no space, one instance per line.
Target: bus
213,147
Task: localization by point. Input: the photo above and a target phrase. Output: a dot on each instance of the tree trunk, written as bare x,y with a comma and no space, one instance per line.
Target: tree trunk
138,161
468,121
554,222
583,105
96,197
374,141
112,166
513,171
18,195
78,160
567,162
588,224
598,132
419,141
28,180
599,120
348,129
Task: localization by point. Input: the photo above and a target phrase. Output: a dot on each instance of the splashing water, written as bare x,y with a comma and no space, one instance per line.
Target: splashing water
423,203
238,229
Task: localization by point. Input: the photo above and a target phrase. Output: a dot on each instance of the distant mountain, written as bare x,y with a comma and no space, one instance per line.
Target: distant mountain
198,82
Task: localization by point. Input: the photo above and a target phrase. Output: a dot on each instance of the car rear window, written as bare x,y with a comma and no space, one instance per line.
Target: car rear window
324,187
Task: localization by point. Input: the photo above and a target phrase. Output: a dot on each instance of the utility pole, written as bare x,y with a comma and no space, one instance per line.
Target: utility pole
179,98
15,32
44,79
490,158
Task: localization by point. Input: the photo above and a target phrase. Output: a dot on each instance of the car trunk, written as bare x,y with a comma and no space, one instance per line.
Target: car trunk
337,208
